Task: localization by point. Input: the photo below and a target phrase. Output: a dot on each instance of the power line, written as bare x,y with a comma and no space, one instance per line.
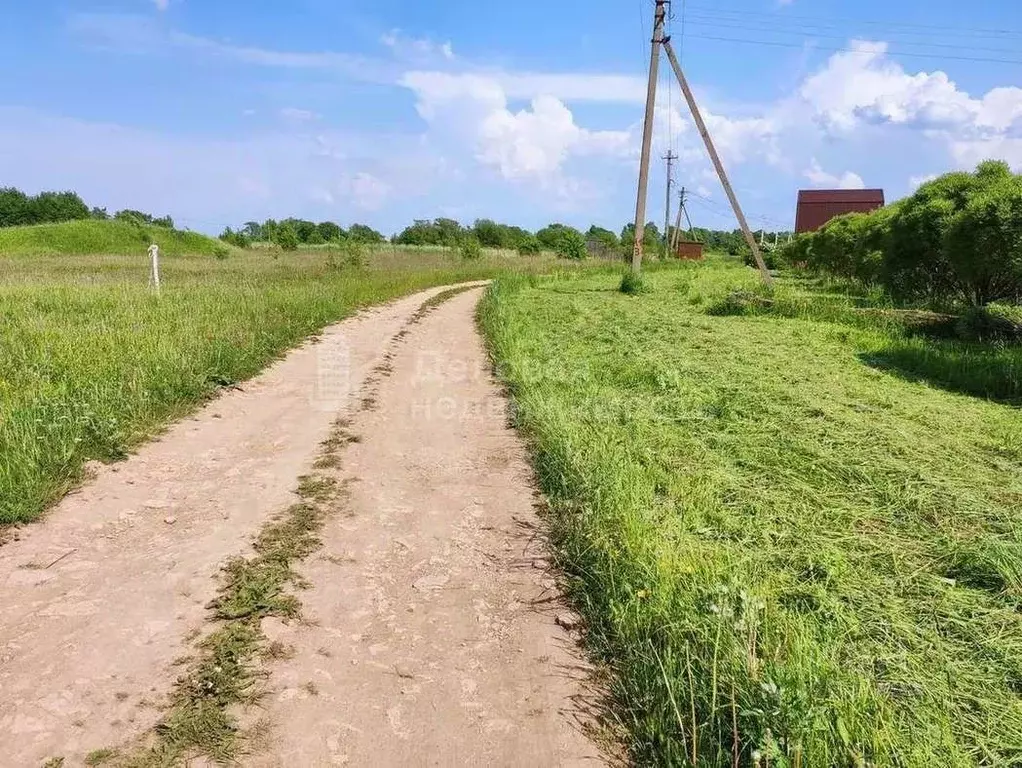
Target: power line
721,210
802,32
845,20
780,44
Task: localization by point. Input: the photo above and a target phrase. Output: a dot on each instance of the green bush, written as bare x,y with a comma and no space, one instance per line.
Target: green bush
18,209
984,243
633,284
237,239
348,253
797,254
958,238
570,244
529,246
470,248
286,238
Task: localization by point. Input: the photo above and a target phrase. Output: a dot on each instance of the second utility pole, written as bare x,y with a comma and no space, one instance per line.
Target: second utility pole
647,136
670,157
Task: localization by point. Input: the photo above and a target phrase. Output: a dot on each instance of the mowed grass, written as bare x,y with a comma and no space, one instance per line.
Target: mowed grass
788,555
92,362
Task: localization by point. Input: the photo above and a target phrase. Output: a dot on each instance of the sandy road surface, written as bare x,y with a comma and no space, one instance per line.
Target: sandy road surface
432,639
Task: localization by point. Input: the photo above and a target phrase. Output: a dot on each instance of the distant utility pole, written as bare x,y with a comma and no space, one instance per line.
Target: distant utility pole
676,235
670,157
647,135
714,157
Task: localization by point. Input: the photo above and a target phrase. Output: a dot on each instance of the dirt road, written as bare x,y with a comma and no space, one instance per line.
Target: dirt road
428,633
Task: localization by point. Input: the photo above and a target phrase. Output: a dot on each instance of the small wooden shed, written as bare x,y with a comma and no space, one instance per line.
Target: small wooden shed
818,206
690,250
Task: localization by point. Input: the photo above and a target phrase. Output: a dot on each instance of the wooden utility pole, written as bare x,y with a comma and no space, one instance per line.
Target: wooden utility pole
715,158
670,157
677,236
647,135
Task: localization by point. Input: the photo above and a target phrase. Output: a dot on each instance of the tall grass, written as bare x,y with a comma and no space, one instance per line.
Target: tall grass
92,362
787,556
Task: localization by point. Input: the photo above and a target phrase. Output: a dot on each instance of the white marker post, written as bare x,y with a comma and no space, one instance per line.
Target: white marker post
154,275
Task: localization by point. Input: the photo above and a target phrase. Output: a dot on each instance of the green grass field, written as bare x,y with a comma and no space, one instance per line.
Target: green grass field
793,528
92,362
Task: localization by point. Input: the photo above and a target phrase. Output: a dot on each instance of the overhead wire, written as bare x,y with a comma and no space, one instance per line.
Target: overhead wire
834,49
807,32
843,22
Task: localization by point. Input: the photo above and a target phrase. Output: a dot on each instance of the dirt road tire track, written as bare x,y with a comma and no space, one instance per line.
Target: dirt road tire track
88,645
430,635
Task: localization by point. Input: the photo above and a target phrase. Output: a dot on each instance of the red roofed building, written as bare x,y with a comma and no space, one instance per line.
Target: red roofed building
818,206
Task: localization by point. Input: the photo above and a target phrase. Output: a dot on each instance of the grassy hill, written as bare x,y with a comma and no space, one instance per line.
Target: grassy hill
102,237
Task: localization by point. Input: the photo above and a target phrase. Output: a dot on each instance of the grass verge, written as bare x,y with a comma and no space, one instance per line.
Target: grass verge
788,556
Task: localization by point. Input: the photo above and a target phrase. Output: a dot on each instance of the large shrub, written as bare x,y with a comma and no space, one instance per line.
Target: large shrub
470,248
958,238
571,244
529,246
285,237
984,243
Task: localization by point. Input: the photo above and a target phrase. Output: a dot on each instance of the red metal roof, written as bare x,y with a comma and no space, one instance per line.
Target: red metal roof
818,206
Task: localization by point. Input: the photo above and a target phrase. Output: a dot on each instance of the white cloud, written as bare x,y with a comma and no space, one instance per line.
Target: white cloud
820,178
914,182
161,5
867,87
572,86
296,115
861,109
532,143
416,49
970,151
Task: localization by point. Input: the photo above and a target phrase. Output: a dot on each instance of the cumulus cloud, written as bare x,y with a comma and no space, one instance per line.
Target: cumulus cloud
526,127
865,86
532,143
820,178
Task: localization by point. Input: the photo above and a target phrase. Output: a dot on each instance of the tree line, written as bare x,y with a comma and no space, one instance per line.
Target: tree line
288,234
19,209
562,239
957,239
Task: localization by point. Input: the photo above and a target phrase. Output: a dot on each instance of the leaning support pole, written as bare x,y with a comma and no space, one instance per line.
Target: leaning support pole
701,125
647,137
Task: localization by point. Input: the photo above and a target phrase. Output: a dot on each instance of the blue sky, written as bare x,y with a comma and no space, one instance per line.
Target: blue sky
525,111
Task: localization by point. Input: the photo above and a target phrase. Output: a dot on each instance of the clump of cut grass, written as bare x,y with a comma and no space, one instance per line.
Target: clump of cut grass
786,554
100,757
223,673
